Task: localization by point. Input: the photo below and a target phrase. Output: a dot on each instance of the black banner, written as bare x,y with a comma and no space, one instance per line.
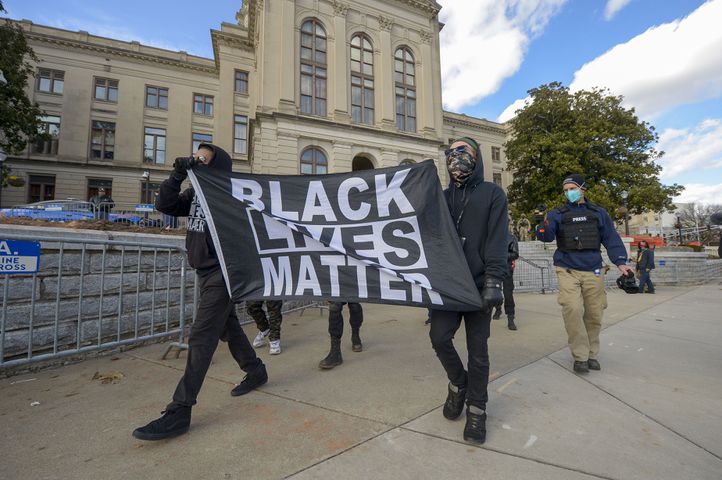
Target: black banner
379,236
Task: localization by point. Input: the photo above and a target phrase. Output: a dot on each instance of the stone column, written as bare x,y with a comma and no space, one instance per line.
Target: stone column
287,51
340,160
339,76
385,83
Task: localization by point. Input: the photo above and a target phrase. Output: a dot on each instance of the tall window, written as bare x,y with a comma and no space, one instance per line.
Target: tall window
203,104
94,184
51,81
148,191
405,83
496,154
240,134
313,162
102,140
313,68
156,97
154,145
40,188
497,178
199,138
106,89
50,126
241,83
362,80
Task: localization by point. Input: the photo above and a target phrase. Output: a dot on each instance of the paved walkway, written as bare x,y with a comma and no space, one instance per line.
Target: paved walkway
653,412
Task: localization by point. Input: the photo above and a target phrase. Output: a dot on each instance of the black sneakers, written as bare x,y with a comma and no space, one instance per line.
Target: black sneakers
581,367
175,421
454,403
475,429
251,381
593,364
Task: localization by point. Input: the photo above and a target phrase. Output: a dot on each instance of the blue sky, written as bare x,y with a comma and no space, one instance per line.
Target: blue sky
664,57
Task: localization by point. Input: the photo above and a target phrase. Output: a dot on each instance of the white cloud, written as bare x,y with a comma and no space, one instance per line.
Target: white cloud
701,193
691,149
613,7
484,43
510,111
671,64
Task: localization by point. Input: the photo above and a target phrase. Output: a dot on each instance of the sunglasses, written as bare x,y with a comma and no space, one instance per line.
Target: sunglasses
459,149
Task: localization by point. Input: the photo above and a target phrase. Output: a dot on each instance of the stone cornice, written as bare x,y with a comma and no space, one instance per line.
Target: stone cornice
429,6
472,122
130,54
401,136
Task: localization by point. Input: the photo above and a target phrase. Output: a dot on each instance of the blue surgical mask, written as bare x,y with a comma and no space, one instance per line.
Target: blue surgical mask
573,195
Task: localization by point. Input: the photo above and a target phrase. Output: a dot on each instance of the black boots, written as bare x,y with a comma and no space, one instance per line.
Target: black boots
334,356
497,314
475,429
593,364
454,402
510,322
356,344
251,381
175,421
581,367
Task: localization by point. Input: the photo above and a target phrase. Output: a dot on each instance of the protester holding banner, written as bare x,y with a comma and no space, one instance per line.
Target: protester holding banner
268,325
479,211
216,316
335,331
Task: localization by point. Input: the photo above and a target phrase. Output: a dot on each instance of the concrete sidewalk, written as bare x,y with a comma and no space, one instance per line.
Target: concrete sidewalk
653,412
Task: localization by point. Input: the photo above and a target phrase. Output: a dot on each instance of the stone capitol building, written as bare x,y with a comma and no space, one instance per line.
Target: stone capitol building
294,87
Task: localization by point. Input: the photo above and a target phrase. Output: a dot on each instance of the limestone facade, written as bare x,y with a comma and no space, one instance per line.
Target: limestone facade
294,86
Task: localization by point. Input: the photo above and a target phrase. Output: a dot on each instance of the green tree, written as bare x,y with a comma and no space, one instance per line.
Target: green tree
587,132
19,117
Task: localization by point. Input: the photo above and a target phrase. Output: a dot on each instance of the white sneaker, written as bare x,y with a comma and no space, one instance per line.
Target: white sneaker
260,339
275,347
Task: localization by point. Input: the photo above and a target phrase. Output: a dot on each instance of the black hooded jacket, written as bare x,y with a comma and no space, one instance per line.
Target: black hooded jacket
199,244
479,210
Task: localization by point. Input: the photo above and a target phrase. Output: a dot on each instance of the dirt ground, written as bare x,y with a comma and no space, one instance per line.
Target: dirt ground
92,225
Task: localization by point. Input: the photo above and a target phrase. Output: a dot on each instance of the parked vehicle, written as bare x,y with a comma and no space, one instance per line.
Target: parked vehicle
71,210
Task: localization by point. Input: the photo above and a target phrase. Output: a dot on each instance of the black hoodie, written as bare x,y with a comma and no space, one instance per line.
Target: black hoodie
479,210
199,244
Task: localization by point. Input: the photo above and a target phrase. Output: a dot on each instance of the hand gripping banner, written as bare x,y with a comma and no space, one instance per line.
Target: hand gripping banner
379,236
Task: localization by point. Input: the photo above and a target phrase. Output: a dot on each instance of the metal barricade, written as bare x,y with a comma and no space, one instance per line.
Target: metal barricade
533,275
93,295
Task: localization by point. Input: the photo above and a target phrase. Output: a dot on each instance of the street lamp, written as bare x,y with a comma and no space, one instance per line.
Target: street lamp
146,197
625,194
3,156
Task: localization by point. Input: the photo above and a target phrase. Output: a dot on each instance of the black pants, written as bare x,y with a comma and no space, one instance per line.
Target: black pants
216,317
508,286
271,322
443,327
335,317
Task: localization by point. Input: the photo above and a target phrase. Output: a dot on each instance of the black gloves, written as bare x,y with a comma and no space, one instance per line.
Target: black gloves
181,166
491,295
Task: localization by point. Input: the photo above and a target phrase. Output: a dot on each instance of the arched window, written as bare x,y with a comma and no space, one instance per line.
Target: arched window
313,68
313,162
405,83
406,161
362,80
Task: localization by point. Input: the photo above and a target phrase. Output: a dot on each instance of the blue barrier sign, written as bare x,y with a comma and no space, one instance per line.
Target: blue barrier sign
19,257
662,263
145,207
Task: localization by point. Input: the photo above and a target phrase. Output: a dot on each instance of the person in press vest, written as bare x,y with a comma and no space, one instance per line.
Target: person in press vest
580,229
216,317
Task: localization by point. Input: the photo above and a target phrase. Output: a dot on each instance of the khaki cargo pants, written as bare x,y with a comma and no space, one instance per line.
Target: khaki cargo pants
583,300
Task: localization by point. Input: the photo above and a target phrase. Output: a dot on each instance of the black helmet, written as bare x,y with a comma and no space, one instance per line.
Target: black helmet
628,283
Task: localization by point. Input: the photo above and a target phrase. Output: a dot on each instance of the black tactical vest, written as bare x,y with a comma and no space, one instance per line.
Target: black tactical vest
579,229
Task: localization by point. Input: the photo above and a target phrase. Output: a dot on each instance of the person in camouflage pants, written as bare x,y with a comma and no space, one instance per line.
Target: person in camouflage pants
268,326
